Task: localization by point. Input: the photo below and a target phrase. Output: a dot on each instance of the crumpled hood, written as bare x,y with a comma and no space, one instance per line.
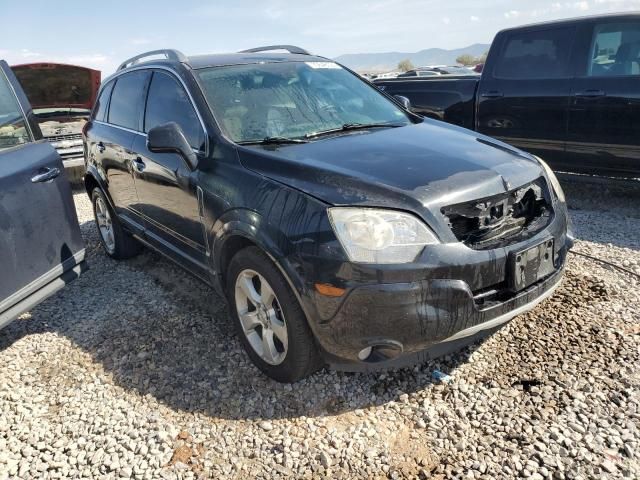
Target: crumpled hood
52,85
419,168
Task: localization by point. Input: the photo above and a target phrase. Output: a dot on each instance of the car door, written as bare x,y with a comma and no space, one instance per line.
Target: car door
41,248
113,139
96,130
604,116
523,96
166,183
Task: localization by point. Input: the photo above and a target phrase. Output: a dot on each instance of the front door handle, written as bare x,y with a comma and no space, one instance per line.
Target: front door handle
137,164
101,147
492,94
46,175
591,94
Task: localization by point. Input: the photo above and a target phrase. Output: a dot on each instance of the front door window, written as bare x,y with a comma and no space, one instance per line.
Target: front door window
13,127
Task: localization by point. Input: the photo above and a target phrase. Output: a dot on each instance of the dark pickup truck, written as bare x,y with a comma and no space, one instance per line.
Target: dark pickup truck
568,91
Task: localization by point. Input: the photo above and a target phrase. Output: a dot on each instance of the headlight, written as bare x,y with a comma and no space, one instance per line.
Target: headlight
553,179
371,235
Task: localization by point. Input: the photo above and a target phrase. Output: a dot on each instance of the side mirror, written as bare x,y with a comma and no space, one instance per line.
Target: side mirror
404,101
169,137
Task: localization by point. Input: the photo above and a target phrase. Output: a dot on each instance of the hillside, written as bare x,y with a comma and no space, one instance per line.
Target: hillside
389,60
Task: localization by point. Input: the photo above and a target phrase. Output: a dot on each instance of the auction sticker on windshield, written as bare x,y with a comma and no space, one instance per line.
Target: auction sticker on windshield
323,65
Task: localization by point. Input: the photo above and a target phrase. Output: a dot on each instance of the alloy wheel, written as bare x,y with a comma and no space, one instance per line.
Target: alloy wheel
105,225
261,317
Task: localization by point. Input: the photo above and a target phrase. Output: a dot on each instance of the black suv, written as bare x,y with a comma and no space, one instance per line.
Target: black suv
342,228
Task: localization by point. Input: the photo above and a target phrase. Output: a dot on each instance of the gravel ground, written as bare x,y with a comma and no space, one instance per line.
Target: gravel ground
124,374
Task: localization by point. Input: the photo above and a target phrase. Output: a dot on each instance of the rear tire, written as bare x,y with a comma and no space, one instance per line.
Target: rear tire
274,330
117,242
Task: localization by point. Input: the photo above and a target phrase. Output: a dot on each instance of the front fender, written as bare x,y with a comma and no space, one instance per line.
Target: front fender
252,227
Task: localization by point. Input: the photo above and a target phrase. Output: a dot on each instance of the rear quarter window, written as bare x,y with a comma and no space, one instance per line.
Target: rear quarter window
127,98
100,111
539,54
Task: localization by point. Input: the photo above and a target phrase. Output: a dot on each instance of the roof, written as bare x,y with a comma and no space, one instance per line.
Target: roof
245,57
567,21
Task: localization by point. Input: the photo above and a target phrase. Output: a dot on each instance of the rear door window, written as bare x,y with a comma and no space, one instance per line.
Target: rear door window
615,50
13,126
127,99
100,112
541,54
168,102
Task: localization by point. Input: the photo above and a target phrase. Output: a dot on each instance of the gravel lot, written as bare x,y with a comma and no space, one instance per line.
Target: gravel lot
133,371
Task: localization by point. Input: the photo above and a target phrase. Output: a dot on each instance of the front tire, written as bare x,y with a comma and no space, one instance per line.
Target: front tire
268,318
117,242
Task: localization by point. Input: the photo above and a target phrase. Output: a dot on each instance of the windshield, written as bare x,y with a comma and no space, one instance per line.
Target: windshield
293,100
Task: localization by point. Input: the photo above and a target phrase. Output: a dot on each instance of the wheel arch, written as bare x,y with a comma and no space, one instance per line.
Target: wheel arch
238,233
93,179
236,241
227,248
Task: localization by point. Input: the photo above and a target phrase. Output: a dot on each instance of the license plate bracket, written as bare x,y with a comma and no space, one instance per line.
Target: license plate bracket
528,266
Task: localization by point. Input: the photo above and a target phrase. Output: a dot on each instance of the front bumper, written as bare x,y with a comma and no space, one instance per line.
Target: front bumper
412,322
75,169
451,297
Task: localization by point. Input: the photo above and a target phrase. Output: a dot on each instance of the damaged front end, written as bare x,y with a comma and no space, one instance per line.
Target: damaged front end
503,219
510,256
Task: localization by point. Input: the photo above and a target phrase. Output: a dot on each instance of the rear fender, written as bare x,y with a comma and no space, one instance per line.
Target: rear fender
93,174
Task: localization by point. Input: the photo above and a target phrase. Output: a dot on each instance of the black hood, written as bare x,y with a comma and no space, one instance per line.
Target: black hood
419,168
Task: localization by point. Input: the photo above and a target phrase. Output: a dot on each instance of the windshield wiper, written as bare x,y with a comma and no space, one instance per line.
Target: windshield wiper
353,126
273,141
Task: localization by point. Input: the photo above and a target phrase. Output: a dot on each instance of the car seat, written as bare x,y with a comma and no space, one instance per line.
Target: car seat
626,61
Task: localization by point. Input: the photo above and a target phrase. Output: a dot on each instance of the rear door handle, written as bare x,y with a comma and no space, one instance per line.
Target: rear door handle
101,147
137,164
591,94
46,175
492,94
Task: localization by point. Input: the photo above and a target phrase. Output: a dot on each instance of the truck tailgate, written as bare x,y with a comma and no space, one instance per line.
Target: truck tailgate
451,99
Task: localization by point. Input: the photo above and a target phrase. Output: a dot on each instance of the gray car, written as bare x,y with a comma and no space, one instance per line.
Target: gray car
41,249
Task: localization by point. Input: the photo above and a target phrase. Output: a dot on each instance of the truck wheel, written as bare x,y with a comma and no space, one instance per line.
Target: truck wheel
117,243
271,325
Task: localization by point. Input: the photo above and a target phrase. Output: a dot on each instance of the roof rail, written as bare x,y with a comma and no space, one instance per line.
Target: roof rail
288,48
169,54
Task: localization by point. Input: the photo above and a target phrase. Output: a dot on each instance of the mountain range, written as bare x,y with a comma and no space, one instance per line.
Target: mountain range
388,61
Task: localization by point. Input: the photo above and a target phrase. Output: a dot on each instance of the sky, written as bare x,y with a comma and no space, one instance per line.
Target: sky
101,35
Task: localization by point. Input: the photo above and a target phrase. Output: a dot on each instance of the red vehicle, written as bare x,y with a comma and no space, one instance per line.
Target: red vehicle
62,97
